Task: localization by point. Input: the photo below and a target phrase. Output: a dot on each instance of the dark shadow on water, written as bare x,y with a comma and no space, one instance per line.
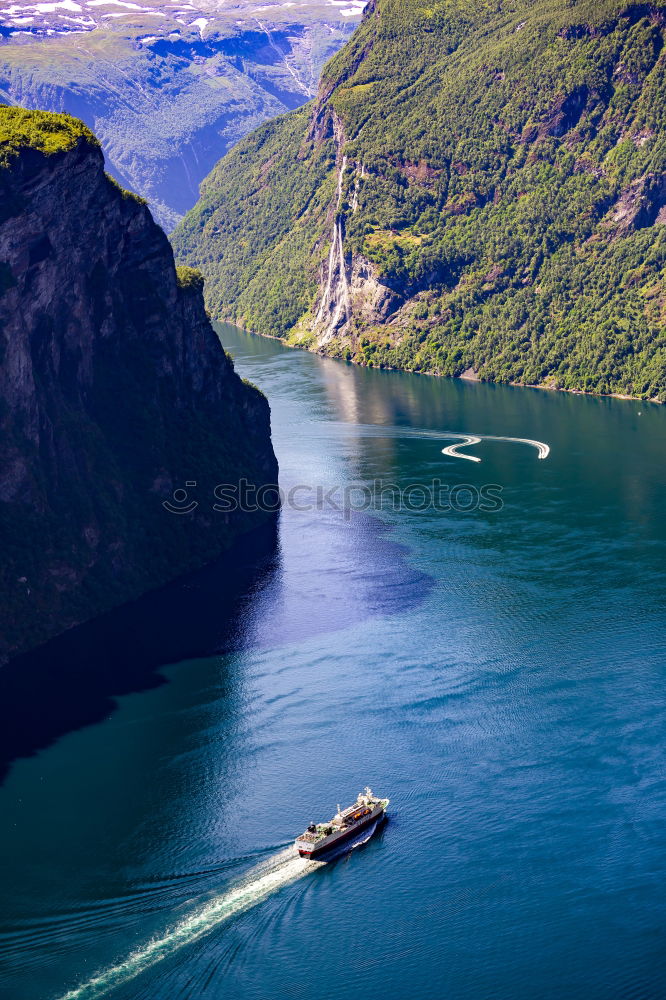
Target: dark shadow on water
72,681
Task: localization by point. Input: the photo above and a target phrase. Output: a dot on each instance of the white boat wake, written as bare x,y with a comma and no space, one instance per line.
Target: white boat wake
462,440
264,880
470,439
280,870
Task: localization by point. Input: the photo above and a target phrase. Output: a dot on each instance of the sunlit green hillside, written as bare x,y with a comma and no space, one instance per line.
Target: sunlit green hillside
479,186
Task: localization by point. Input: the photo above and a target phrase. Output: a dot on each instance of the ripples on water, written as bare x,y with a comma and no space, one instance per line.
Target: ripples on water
267,878
499,676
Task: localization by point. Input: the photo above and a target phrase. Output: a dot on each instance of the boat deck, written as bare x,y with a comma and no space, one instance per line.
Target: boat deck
310,838
345,820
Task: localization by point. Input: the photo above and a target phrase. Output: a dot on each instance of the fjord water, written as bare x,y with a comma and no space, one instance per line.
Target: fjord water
499,674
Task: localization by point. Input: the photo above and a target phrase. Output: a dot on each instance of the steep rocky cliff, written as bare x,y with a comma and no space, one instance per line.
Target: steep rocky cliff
114,392
477,187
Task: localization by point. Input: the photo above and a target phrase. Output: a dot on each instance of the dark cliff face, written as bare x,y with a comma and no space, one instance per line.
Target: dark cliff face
114,392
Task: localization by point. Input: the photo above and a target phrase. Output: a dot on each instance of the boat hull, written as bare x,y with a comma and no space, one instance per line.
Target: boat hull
334,839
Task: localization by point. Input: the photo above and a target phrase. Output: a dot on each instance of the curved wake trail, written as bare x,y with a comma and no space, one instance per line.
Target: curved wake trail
258,885
453,452
462,440
469,439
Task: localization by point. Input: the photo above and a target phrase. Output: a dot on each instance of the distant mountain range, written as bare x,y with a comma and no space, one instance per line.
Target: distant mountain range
479,189
168,87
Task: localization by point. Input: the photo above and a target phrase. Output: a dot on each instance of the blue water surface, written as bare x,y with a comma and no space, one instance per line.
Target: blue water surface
499,674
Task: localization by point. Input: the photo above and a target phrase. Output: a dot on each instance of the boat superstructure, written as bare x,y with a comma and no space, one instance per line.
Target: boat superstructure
320,837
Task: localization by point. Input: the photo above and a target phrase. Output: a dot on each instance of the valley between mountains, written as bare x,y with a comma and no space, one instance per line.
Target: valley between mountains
168,87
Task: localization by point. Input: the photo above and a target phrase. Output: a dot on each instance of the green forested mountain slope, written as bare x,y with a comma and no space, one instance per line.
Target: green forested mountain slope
479,185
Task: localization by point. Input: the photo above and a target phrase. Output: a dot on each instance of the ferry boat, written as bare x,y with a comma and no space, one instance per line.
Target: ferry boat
346,823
